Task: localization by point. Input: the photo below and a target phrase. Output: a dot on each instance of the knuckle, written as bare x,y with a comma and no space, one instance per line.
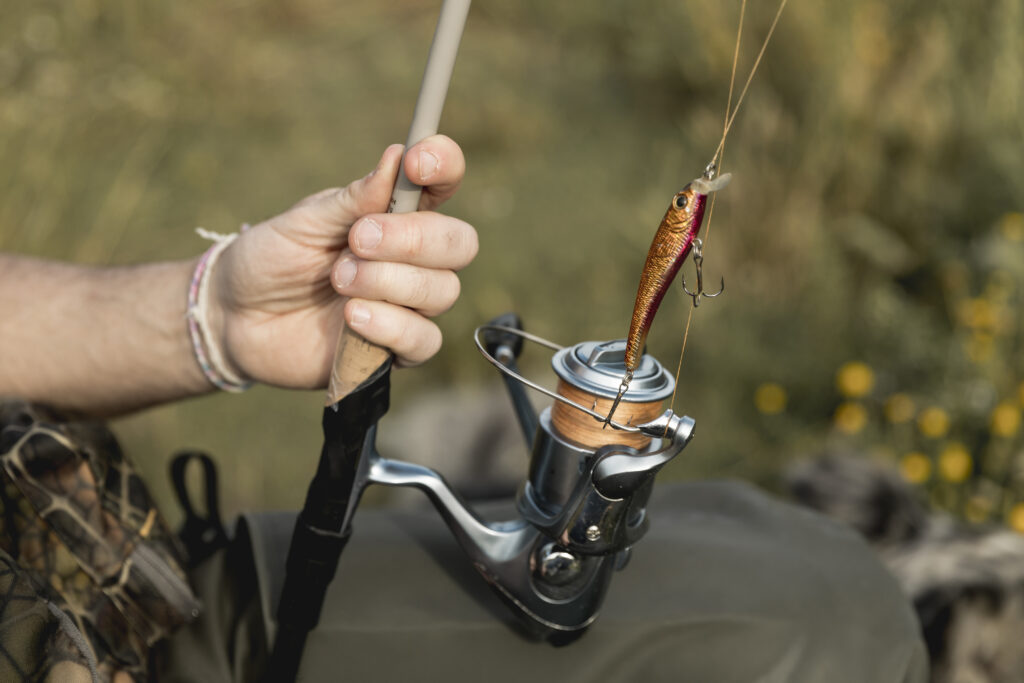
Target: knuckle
474,242
449,292
374,278
398,335
420,289
443,293
413,241
463,242
412,337
433,344
389,326
342,199
317,197
427,343
455,288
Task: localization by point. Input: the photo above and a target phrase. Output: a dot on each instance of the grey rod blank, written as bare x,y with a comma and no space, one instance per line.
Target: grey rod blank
433,90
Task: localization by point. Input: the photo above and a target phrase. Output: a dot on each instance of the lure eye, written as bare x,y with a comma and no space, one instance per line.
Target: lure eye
681,201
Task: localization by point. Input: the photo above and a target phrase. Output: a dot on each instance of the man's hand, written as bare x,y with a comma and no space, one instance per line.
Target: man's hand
283,289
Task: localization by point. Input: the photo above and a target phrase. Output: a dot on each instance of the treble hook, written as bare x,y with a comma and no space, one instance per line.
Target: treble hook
698,261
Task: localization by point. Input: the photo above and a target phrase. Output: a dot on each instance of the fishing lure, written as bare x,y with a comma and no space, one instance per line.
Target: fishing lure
672,244
677,234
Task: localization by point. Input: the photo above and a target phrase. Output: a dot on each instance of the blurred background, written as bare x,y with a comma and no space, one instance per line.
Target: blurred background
872,240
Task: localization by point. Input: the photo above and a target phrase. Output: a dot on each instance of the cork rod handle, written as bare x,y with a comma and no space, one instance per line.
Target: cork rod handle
355,358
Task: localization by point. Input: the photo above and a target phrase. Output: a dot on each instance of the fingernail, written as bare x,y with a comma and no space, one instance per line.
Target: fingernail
345,272
428,164
369,234
359,314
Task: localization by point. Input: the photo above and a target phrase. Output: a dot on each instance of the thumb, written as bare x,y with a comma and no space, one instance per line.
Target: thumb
336,208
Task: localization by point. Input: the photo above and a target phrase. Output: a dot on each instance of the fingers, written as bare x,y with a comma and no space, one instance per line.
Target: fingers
430,240
396,269
428,291
409,335
438,165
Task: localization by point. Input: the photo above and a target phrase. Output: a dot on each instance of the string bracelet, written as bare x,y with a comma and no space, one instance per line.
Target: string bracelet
207,351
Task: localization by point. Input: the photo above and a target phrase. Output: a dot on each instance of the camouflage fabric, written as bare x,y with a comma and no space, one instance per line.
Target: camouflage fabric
80,535
34,643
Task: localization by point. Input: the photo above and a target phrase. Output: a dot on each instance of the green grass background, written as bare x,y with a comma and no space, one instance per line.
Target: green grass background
878,166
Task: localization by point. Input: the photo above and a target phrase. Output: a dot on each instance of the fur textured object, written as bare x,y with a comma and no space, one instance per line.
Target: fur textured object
966,581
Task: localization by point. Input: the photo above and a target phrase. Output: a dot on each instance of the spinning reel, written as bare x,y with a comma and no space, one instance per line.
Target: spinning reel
583,505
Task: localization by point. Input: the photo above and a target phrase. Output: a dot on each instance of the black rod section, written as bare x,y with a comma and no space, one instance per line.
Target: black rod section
325,524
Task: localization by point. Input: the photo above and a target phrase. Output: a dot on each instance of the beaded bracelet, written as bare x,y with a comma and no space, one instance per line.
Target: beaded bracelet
207,352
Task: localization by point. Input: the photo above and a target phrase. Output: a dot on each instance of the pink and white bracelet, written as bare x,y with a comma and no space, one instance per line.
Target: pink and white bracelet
207,352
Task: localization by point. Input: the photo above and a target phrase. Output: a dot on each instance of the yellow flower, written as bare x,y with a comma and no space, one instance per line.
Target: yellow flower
850,417
770,398
1012,226
855,379
955,463
916,467
1006,419
1016,517
933,422
899,408
978,508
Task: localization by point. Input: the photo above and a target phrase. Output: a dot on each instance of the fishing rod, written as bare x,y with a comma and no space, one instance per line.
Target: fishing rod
583,507
357,398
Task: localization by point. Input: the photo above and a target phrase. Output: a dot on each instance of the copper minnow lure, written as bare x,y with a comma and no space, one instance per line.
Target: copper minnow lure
672,244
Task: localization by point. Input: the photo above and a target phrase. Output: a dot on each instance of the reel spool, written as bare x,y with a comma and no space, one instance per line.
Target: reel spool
589,374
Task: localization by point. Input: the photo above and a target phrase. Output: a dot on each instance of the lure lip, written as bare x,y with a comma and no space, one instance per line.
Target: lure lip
706,186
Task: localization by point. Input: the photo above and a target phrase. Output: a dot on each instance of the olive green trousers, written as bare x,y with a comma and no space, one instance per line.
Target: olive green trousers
729,586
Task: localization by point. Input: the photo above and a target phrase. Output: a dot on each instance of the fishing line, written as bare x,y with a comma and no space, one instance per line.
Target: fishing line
711,210
679,367
730,116
735,62
750,78
720,152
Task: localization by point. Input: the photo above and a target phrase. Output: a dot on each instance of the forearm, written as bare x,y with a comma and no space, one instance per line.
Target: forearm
98,341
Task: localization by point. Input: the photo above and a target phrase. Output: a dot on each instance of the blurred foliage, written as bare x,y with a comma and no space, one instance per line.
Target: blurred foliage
955,427
877,166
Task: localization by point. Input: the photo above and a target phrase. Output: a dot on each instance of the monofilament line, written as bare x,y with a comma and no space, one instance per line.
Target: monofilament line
753,70
730,116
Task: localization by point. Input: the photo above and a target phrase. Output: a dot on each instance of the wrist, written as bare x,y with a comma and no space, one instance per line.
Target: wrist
225,320
208,319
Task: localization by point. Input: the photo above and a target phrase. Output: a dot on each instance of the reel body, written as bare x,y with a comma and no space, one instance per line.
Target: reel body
583,505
